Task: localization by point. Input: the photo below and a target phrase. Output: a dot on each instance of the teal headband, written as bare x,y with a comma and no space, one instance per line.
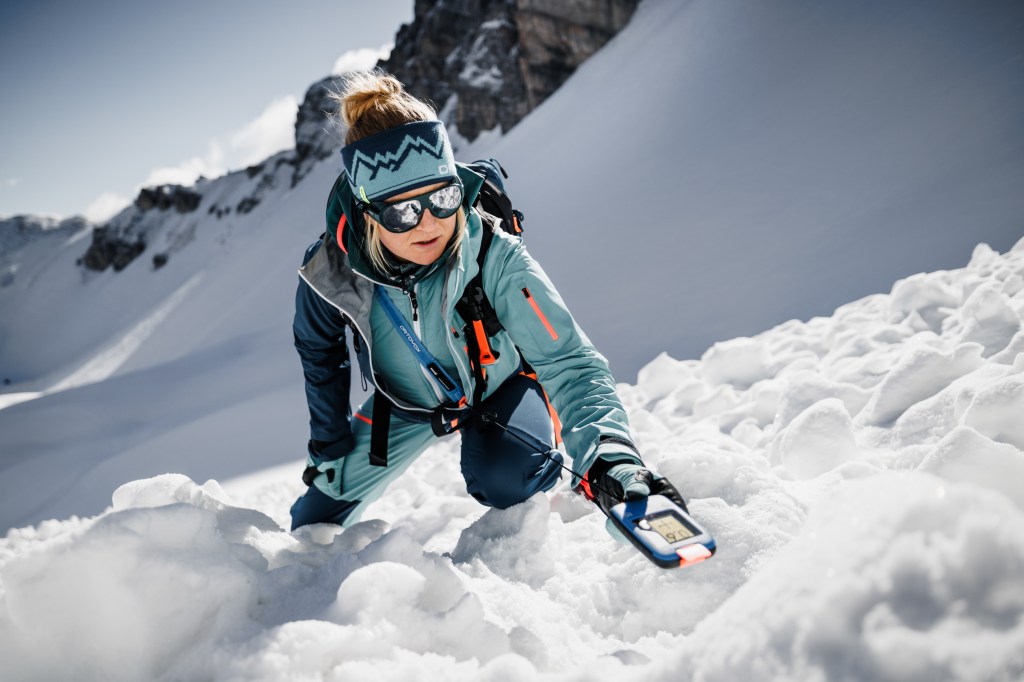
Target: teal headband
398,160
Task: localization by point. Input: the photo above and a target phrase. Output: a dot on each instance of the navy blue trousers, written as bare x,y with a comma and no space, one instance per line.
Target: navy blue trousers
499,470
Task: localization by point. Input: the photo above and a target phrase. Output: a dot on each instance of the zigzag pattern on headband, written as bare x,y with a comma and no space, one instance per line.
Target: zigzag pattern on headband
400,159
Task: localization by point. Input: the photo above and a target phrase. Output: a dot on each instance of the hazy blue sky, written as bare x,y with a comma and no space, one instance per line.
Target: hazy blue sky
98,95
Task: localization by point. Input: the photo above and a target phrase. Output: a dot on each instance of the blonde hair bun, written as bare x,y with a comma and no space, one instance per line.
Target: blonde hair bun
374,101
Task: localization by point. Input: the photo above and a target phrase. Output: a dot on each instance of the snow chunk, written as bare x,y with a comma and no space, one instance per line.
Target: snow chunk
921,372
169,489
741,362
989,319
817,441
966,455
510,542
807,388
664,374
1013,349
997,411
930,295
392,604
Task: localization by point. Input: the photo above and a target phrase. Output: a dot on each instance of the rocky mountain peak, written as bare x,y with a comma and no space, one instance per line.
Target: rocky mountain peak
486,64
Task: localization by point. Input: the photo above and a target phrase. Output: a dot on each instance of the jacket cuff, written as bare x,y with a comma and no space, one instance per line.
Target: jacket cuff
324,451
616,450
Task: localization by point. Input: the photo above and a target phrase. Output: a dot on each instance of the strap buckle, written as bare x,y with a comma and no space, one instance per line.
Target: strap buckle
448,418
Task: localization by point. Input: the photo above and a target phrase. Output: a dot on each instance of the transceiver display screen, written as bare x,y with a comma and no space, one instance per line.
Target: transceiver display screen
670,526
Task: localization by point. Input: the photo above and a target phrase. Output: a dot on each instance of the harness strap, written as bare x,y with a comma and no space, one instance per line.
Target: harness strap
379,430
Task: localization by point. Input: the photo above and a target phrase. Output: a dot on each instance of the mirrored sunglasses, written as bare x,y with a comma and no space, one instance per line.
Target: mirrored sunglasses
406,214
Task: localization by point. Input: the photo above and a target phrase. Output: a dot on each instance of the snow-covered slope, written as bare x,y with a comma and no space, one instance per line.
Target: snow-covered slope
196,372
722,166
862,473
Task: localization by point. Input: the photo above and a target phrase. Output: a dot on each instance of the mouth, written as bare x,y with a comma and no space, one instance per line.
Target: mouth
427,243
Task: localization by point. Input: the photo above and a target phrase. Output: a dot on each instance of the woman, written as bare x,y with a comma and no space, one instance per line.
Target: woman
400,249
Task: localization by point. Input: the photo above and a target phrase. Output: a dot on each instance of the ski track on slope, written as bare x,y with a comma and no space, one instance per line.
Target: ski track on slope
105,363
863,475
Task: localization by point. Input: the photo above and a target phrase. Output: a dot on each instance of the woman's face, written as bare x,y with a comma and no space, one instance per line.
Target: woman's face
425,243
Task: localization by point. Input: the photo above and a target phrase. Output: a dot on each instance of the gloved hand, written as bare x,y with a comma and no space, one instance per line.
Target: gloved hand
324,462
633,479
620,481
624,481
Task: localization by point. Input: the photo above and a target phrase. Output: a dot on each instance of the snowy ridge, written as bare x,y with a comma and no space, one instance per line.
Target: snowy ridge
862,473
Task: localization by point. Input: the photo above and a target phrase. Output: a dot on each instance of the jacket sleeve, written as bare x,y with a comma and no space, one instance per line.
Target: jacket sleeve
319,331
574,375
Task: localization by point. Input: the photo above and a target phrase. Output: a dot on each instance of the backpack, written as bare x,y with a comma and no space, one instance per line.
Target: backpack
481,319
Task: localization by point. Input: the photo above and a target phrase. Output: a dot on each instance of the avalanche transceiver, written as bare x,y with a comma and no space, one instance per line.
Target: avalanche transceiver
662,531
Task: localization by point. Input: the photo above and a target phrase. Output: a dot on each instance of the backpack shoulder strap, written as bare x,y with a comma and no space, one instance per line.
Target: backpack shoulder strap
481,319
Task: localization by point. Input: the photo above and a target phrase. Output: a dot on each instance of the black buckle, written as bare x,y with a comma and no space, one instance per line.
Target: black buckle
441,419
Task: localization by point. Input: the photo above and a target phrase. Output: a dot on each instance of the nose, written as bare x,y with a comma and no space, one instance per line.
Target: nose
428,222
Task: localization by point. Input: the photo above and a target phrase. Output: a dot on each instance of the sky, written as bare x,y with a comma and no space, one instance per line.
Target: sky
102,98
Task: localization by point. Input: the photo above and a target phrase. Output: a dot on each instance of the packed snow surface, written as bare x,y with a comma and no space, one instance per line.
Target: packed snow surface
863,475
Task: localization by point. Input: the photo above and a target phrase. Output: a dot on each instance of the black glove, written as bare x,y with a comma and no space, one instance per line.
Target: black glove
620,481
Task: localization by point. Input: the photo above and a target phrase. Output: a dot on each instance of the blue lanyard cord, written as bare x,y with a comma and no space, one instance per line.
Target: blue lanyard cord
429,362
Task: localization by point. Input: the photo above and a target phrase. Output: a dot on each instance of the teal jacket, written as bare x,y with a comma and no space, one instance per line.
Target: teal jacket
535,320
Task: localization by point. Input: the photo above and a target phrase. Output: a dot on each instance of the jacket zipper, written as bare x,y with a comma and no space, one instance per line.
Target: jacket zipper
431,381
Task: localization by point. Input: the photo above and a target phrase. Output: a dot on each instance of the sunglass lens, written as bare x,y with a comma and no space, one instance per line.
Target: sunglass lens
402,216
447,198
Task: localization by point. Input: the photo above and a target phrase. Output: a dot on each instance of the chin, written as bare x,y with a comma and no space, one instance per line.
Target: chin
426,259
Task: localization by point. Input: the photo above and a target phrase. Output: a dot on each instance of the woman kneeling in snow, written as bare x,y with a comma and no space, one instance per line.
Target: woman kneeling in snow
404,232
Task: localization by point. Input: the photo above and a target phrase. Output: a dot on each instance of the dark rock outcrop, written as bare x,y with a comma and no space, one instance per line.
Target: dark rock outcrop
481,63
488,63
163,197
108,248
317,132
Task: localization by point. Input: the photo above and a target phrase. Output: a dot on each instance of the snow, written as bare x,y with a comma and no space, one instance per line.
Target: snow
862,474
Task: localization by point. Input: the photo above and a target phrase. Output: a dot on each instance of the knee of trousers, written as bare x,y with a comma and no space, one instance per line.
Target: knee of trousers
503,482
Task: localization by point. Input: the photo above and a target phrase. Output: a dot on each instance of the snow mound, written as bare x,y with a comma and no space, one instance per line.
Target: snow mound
897,578
863,475
132,593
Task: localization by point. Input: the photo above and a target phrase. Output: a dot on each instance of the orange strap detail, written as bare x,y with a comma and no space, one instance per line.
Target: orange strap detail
362,418
340,234
556,423
486,356
585,487
540,314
